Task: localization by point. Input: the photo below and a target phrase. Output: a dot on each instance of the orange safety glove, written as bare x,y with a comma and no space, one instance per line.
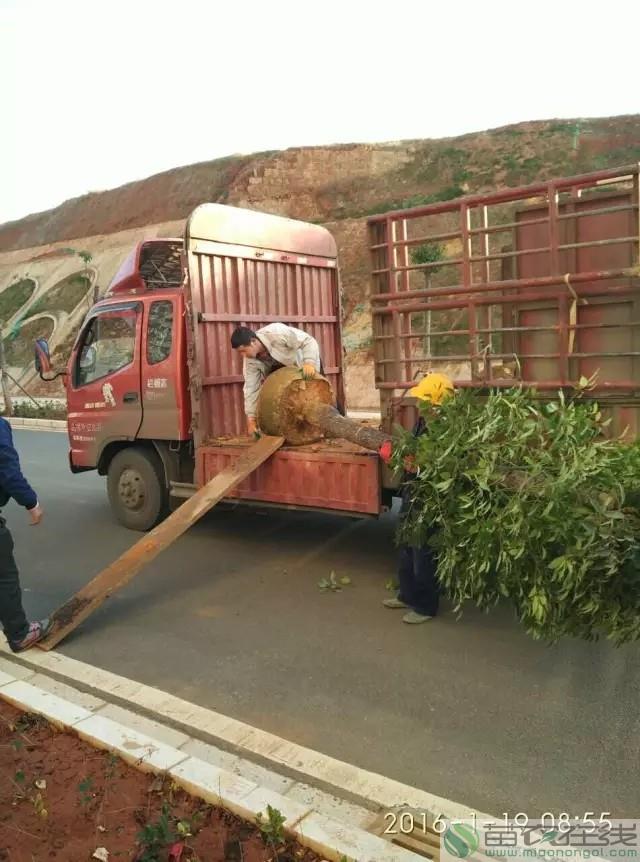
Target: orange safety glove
386,451
308,371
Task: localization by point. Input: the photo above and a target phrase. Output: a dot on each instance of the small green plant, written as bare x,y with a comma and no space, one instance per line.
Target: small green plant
112,762
85,791
154,838
333,584
272,827
18,781
28,721
428,253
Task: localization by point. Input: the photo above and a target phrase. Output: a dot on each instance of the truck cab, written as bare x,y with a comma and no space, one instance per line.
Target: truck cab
127,375
127,386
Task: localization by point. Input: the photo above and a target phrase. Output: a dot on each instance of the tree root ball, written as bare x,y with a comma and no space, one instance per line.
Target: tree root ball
286,403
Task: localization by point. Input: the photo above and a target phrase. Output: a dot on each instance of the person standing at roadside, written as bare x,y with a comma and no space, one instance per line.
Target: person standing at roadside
20,633
419,589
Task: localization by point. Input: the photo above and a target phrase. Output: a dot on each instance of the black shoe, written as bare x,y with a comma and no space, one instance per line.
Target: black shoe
37,631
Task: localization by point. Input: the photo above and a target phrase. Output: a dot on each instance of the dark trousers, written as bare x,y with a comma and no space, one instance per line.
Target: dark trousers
12,615
419,587
417,569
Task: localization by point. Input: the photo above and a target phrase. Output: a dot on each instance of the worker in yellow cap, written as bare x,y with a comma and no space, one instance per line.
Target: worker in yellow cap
419,590
433,387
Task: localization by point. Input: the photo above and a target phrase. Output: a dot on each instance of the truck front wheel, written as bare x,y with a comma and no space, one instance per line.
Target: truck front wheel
137,492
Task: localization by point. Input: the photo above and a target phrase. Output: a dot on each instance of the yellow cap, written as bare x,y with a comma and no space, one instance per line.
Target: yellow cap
434,387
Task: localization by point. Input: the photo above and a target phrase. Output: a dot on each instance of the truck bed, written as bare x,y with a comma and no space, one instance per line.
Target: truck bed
329,475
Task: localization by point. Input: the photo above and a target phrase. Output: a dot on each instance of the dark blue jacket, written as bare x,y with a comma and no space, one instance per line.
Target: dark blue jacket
12,482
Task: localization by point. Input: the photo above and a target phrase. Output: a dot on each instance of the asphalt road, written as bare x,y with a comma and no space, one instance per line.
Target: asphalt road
231,617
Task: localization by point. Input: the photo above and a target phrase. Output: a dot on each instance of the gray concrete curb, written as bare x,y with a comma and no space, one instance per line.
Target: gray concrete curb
24,424
330,826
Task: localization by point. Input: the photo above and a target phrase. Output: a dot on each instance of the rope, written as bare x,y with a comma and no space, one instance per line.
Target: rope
573,310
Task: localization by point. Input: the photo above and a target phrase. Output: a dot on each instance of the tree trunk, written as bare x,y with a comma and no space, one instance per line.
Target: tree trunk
336,425
302,412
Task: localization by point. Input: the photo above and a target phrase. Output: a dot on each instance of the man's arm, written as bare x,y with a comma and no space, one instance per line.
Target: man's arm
11,478
301,342
253,377
307,345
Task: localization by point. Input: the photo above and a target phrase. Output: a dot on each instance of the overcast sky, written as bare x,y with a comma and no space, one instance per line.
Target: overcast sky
95,94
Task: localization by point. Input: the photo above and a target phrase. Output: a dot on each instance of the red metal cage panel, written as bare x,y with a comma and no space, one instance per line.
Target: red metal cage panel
538,284
293,281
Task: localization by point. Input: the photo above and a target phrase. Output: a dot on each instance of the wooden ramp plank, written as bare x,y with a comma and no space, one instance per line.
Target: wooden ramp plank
127,566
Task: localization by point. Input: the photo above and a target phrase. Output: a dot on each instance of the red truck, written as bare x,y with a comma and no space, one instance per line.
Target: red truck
154,389
538,284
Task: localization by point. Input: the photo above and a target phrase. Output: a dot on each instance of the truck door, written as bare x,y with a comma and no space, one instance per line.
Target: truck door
104,399
161,373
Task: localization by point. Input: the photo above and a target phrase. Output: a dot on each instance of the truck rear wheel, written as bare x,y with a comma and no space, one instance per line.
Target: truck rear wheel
136,489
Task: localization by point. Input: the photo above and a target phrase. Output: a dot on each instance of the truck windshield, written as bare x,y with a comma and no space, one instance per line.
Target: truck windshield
108,345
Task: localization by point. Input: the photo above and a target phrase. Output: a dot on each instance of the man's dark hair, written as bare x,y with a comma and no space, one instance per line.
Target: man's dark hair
242,336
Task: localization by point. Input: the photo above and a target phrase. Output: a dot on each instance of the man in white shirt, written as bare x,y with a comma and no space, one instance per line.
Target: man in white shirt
274,346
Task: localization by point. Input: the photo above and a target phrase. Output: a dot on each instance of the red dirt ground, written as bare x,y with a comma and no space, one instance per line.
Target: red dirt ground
62,799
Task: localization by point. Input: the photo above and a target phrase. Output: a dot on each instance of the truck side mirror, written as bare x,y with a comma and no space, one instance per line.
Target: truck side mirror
42,356
42,360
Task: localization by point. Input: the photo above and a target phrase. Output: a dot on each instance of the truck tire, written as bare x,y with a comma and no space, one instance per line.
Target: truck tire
136,489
